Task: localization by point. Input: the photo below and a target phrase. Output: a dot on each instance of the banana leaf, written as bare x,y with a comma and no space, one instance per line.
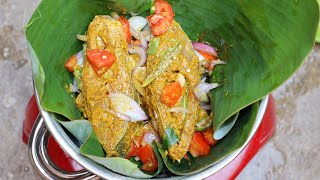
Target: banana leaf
91,148
263,41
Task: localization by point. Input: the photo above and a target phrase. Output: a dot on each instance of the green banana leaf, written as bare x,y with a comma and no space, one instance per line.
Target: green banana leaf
263,41
91,148
318,31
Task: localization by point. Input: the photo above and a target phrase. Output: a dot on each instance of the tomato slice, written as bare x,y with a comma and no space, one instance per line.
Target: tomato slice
198,146
145,154
126,28
71,63
164,9
162,19
171,93
208,135
100,60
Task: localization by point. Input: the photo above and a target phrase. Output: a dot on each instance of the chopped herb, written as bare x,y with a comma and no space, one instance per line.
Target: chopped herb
167,59
169,138
153,45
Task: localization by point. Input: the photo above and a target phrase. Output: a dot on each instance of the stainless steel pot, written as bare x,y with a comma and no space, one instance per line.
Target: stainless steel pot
39,157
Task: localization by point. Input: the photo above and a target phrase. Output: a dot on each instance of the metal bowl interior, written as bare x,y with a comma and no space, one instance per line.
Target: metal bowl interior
72,149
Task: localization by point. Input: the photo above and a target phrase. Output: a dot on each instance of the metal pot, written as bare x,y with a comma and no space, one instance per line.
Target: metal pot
39,156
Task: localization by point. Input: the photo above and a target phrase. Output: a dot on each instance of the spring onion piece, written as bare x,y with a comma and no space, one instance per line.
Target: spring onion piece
204,48
169,138
74,86
181,79
153,45
79,56
149,137
202,89
125,105
141,51
204,124
78,76
167,59
217,62
179,110
138,86
137,23
115,15
81,37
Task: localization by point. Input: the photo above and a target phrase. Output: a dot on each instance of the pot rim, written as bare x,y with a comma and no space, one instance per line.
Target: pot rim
69,147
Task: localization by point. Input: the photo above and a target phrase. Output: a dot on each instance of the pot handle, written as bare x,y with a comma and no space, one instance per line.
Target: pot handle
40,159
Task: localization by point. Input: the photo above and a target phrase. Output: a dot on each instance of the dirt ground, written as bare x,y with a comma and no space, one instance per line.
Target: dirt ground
292,153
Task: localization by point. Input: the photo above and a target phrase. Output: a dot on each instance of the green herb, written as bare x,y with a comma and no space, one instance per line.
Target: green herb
169,138
167,59
153,45
204,124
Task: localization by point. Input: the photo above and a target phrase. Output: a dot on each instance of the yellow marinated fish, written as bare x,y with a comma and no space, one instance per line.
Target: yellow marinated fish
106,33
187,64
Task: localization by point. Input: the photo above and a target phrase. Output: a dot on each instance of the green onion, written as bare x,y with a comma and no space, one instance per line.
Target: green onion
169,138
167,59
204,124
153,45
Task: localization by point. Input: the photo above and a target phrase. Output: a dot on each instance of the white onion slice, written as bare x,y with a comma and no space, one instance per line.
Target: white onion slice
143,41
203,79
79,57
204,48
216,62
125,105
181,79
149,137
141,51
201,90
137,23
74,86
179,109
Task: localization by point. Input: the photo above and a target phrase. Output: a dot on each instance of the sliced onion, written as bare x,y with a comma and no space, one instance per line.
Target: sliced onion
137,23
204,48
74,86
81,37
205,106
147,34
179,109
125,105
141,51
201,58
137,158
143,41
181,79
79,57
201,90
216,62
203,79
149,137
